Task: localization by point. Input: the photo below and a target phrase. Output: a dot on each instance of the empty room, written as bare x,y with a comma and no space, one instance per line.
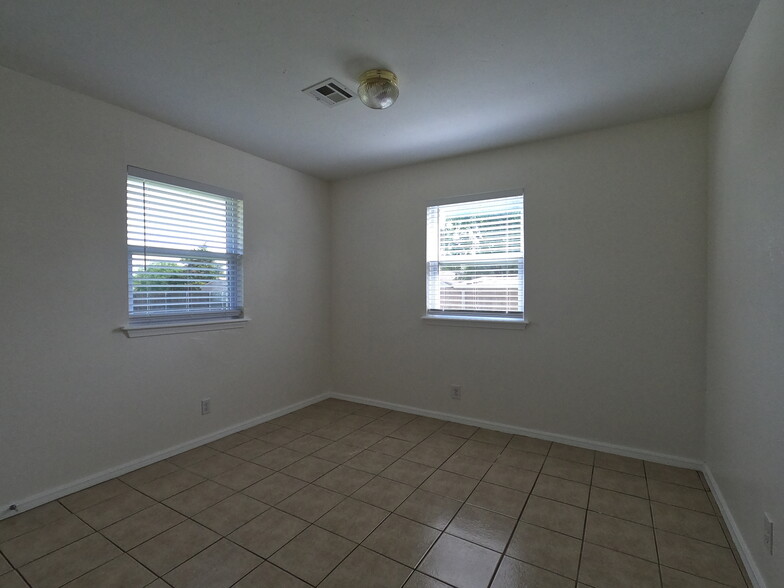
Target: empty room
392,295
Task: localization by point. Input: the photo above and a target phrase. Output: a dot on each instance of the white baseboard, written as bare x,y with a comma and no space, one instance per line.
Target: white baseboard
663,458
745,553
82,483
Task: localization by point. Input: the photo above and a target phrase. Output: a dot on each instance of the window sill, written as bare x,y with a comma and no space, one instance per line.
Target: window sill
484,322
175,328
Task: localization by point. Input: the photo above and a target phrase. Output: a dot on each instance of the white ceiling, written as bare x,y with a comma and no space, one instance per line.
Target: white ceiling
473,75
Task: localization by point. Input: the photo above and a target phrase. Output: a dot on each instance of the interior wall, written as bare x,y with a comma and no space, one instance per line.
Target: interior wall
77,396
745,392
615,289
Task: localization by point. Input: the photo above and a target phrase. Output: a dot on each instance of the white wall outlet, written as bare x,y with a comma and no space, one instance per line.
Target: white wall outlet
205,406
767,538
456,392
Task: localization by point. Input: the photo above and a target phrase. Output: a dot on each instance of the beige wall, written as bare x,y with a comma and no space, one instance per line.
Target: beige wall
745,398
78,397
615,289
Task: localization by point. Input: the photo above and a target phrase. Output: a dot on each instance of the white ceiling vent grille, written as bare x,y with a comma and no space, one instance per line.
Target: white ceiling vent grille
330,92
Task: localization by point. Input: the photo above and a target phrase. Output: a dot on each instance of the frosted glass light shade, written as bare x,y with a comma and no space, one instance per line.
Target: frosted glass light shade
378,88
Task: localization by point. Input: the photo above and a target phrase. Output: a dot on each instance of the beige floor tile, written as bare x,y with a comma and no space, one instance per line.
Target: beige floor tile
219,566
309,468
620,482
673,475
115,509
460,563
166,551
275,488
278,458
408,472
229,441
546,549
281,436
12,580
243,475
192,456
313,554
556,516
30,546
492,437
230,514
338,452
260,430
381,427
677,579
479,450
513,573
371,411
196,499
606,568
562,490
214,466
32,519
428,455
420,580
354,421
402,539
621,535
384,493
5,566
158,584
121,571
170,484
568,470
270,576
268,532
449,485
144,525
687,522
572,453
363,439
333,432
431,509
620,505
441,440
466,466
372,462
70,562
353,519
409,432
699,558
367,569
483,527
307,444
344,480
510,477
682,496
392,446
521,459
251,449
530,444
458,430
310,503
499,499
93,495
619,463
147,473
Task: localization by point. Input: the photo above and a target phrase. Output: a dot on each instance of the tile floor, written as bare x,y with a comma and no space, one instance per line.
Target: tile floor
347,495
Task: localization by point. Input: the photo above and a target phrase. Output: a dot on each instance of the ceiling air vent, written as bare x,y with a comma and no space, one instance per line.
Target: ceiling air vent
330,92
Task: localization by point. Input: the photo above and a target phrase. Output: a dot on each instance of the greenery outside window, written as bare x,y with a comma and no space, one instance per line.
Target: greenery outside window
184,250
475,258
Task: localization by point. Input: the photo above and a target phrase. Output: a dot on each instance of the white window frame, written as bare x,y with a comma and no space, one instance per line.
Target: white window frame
471,318
142,323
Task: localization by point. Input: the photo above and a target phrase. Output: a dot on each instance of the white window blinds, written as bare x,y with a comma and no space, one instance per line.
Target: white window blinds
475,257
184,250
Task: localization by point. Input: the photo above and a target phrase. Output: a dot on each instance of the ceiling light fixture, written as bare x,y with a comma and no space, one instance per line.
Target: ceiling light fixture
378,88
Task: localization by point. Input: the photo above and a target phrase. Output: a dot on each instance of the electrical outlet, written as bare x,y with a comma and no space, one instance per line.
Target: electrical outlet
767,538
205,406
456,391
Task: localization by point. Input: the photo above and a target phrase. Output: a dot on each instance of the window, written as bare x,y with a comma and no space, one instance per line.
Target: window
184,250
475,258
